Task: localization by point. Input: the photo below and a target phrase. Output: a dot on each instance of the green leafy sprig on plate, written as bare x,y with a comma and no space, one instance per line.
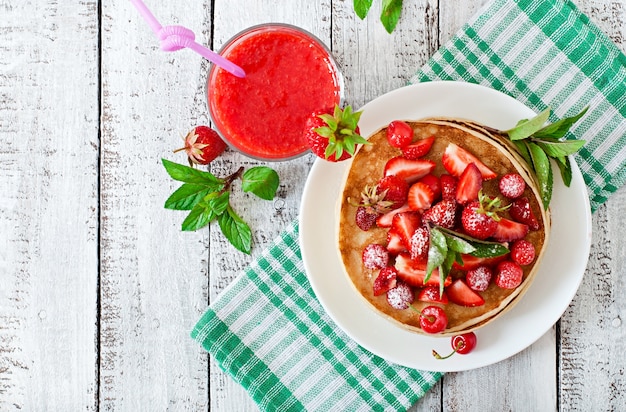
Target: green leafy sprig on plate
208,198
448,246
389,16
538,144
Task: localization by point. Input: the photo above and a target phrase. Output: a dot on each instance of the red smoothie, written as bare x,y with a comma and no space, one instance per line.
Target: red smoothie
289,75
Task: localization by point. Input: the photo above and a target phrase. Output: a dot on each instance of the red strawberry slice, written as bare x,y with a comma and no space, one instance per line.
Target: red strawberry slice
396,190
410,170
508,230
418,148
420,242
472,262
461,294
394,243
521,212
455,159
470,183
433,182
385,220
405,224
431,294
386,280
449,184
420,196
413,272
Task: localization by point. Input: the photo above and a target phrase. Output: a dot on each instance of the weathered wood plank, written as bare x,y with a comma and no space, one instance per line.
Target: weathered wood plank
153,276
48,205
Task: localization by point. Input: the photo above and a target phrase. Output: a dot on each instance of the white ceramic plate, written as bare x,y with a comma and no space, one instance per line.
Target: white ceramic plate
551,292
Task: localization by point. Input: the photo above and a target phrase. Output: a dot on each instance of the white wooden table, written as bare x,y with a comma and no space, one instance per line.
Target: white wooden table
99,288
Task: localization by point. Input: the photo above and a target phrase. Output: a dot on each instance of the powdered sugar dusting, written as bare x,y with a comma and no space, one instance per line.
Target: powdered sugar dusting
375,256
401,296
478,279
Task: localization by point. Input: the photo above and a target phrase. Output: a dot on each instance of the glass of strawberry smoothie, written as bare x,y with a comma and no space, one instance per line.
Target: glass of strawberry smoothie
289,75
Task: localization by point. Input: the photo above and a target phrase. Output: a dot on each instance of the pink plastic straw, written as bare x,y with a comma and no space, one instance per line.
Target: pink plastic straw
178,37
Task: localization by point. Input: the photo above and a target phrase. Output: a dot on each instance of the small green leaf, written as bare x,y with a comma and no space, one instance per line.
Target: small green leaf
559,128
560,148
436,252
543,171
190,175
390,14
566,170
489,249
444,269
218,202
523,150
459,245
201,215
261,180
186,196
324,131
236,230
362,7
527,128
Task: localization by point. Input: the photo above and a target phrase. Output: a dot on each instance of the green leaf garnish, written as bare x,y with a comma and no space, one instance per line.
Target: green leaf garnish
528,127
559,128
236,230
362,7
208,198
543,171
390,14
261,180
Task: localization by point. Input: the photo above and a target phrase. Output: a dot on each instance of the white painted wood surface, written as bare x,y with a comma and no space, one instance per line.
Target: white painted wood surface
99,288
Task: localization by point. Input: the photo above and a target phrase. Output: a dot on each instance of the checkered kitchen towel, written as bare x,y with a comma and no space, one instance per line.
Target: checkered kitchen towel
268,331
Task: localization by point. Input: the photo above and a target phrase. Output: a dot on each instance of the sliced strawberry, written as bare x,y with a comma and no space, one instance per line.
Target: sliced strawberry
418,148
396,190
433,182
405,224
472,262
442,214
414,272
508,230
394,243
455,159
399,134
449,184
431,294
386,280
461,294
386,219
420,196
410,170
470,183
521,212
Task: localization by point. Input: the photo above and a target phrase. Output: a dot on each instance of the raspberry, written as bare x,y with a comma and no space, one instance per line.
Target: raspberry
375,256
401,296
509,275
442,214
364,219
523,252
478,279
512,185
419,243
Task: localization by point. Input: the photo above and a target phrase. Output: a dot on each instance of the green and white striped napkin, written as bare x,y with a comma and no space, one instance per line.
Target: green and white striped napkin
267,329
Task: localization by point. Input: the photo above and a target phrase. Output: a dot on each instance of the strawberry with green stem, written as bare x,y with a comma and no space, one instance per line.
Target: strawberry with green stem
334,136
202,145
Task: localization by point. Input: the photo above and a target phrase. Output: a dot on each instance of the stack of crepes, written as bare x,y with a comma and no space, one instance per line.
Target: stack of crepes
495,151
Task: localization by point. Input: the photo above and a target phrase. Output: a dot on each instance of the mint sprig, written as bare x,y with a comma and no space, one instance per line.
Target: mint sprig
389,16
537,144
207,198
447,246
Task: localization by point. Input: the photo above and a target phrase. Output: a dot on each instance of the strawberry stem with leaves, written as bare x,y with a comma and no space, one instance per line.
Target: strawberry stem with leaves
207,198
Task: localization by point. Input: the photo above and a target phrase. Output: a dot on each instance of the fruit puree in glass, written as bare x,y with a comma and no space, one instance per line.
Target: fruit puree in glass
289,75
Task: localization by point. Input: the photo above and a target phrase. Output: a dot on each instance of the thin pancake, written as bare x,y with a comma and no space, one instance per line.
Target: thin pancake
367,168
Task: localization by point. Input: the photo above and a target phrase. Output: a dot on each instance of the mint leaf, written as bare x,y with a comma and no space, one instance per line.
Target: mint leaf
190,175
186,196
559,128
437,252
488,249
210,207
527,128
543,171
236,230
560,148
262,181
459,245
566,170
362,7
391,14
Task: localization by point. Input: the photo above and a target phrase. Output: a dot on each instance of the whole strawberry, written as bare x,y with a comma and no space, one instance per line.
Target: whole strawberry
202,145
480,217
333,137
